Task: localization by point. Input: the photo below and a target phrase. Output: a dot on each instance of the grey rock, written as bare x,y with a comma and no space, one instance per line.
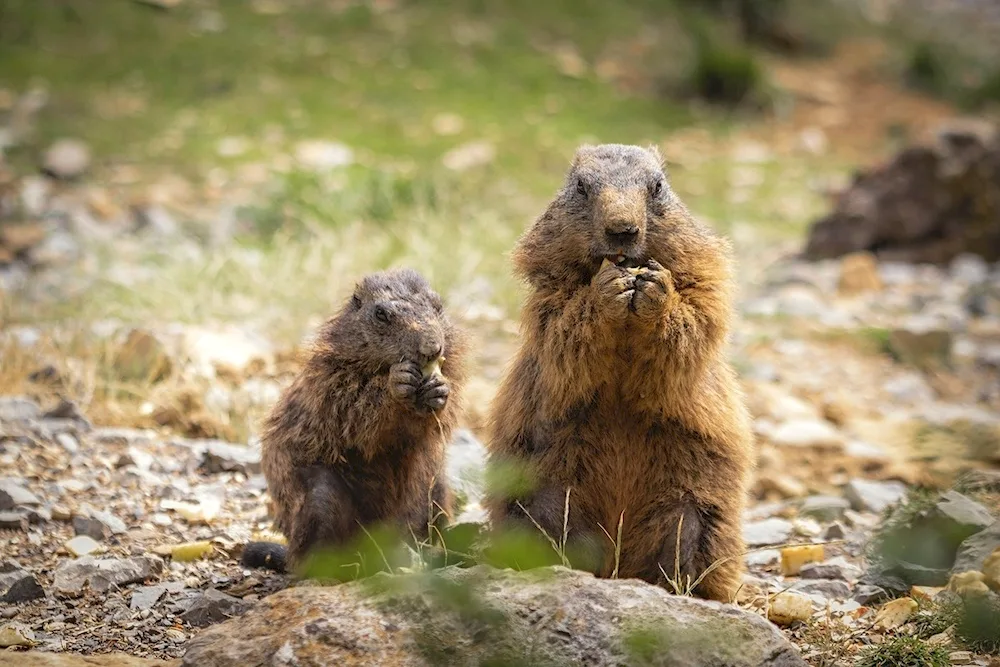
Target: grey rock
73,577
14,520
868,595
219,456
144,597
834,568
921,575
570,616
98,525
832,589
968,268
18,409
824,508
464,463
214,606
965,514
66,159
869,496
767,532
890,583
13,494
18,584
762,558
973,552
835,531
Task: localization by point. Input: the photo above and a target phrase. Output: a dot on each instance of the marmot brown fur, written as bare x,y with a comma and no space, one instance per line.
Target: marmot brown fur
359,436
620,389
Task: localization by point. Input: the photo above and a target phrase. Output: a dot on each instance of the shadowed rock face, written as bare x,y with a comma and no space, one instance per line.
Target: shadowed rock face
929,204
457,616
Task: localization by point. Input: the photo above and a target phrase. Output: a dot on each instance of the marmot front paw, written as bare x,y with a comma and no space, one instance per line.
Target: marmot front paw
653,287
616,287
408,385
433,393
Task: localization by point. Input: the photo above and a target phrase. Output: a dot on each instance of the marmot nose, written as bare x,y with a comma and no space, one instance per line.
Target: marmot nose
622,234
430,349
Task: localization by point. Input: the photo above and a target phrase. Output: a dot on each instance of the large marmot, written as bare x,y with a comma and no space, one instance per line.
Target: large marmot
359,437
620,389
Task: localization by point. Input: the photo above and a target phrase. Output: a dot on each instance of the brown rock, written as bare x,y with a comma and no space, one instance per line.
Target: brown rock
930,203
45,659
20,237
397,620
859,273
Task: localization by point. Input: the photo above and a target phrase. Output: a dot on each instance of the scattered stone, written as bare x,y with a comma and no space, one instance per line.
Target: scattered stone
962,514
72,578
834,568
890,583
142,357
18,238
763,558
13,495
589,620
960,658
17,584
870,496
835,531
16,634
793,558
214,606
767,532
99,525
788,607
921,575
806,433
66,159
187,552
895,613
82,545
18,409
921,345
144,597
867,595
859,273
14,520
832,589
925,593
824,508
23,590
221,457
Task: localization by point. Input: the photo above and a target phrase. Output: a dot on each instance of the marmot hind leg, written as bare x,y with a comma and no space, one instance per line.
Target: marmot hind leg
327,517
702,542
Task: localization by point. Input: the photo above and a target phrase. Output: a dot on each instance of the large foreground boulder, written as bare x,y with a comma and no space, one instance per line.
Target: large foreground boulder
480,615
42,659
929,204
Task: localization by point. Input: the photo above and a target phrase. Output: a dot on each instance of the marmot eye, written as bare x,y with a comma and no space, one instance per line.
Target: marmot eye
581,187
382,314
658,188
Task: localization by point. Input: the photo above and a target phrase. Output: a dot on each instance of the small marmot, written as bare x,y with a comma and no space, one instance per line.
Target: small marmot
359,436
620,389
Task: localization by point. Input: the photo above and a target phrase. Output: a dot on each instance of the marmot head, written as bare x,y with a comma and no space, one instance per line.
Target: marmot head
392,316
615,198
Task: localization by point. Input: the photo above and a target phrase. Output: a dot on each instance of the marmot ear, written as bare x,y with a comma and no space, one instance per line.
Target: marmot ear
356,301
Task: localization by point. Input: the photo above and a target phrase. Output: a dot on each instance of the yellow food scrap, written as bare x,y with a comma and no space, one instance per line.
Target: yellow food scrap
895,613
190,551
432,368
788,607
793,558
